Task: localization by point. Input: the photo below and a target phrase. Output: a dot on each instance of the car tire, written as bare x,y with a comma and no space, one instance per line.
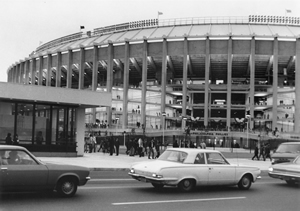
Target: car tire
245,182
291,183
67,187
186,185
157,186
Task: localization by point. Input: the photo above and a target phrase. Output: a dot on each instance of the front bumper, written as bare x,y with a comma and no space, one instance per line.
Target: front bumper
285,176
84,181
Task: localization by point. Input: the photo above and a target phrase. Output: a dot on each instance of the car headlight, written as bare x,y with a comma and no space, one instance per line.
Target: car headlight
132,171
156,176
270,169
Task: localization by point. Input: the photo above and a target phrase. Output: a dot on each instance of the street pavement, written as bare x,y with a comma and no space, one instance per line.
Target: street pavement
100,161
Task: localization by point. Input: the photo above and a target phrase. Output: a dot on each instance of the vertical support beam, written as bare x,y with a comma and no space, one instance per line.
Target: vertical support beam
144,82
109,80
58,70
252,80
95,69
26,69
33,71
184,80
69,70
49,71
163,82
297,88
80,130
21,70
125,86
207,68
81,69
40,78
229,79
275,83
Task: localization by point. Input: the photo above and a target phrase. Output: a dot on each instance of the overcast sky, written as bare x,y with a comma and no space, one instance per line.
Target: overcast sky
27,23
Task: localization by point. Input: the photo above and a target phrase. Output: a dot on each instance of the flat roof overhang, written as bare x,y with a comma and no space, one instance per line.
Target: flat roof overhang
54,95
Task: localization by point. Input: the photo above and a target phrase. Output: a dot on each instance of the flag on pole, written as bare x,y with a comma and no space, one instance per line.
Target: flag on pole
81,27
288,11
159,13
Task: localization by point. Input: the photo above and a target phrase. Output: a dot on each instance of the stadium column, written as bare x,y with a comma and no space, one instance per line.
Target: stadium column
109,79
26,70
125,86
20,69
184,81
252,80
275,83
69,70
58,70
207,67
81,69
163,82
95,69
33,71
144,82
297,87
22,72
49,65
229,80
40,78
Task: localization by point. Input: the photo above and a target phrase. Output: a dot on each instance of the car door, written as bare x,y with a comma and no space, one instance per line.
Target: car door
220,172
201,169
24,173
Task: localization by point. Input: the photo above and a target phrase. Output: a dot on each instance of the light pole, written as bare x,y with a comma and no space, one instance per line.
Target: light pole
124,138
163,115
183,126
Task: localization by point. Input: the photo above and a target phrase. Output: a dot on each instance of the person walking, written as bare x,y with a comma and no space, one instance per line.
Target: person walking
140,147
117,146
16,139
151,146
255,153
268,151
8,139
111,145
157,145
262,152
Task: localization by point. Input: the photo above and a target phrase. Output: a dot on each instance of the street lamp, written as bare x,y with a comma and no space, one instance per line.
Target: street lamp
163,115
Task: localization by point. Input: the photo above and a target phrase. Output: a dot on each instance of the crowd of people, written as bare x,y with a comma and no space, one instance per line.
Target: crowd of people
264,152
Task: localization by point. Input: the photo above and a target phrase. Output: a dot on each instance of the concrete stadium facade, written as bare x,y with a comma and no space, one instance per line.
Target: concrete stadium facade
231,74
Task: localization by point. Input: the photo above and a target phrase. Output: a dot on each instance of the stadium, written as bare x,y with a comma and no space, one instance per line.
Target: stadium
228,81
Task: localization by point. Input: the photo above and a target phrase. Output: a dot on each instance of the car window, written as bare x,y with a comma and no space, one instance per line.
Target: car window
175,156
215,158
3,157
200,159
288,148
18,157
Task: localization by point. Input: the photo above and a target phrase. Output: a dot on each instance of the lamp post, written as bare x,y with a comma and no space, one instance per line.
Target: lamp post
124,133
163,115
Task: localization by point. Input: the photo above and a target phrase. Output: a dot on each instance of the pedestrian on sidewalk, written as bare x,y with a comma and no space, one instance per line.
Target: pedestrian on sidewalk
262,152
117,145
255,153
140,147
151,146
111,144
268,151
157,145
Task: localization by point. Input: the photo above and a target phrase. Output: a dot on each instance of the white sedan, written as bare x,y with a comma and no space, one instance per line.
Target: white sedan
187,168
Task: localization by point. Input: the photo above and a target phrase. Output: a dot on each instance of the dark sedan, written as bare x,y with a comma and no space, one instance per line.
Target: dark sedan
22,171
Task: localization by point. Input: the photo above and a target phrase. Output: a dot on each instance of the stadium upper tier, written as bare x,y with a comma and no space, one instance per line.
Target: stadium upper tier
191,28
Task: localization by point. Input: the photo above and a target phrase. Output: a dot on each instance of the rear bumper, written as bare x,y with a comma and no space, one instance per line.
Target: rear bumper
163,181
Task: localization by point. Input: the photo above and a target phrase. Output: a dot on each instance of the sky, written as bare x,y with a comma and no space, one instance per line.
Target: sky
25,24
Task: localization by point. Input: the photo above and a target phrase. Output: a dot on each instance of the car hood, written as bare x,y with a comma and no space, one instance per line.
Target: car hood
287,166
284,155
154,166
56,166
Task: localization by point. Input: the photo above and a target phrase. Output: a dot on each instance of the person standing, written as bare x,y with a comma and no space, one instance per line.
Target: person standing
262,152
140,147
157,145
255,153
8,139
117,146
268,151
111,145
16,139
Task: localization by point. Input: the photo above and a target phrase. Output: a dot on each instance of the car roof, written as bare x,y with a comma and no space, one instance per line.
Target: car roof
188,150
291,142
10,147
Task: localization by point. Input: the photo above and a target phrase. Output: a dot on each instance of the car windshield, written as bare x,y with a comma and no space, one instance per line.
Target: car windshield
289,148
174,156
297,160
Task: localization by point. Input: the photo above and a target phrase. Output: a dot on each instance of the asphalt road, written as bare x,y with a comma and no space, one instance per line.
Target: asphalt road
114,190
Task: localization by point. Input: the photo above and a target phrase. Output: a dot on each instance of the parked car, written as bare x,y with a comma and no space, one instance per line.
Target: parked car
286,152
290,172
187,168
22,171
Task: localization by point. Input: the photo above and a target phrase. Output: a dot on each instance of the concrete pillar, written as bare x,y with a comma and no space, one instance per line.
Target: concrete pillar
40,76
95,69
163,81
49,71
26,69
81,69
109,80
207,69
184,80
144,82
275,83
252,80
125,86
69,71
33,71
229,86
80,127
58,71
297,87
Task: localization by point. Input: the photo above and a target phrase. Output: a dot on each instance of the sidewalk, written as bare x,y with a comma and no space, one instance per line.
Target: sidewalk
100,161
